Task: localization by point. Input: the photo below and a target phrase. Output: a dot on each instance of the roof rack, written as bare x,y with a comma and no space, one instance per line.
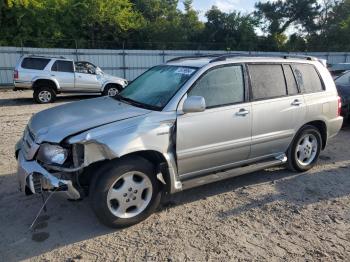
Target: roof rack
286,56
192,57
223,57
33,55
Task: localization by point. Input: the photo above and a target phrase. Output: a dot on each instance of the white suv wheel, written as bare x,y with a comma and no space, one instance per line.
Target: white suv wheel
112,91
44,96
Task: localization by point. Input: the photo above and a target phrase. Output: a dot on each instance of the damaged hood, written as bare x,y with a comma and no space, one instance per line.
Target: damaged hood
55,124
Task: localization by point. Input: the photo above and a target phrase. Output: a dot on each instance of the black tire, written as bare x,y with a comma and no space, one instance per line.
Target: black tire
110,87
293,163
107,176
51,97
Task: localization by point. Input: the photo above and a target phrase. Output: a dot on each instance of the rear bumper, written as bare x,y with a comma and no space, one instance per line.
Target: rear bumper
34,178
22,85
334,126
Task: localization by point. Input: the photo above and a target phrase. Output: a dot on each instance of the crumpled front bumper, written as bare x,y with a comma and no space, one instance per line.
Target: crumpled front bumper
35,178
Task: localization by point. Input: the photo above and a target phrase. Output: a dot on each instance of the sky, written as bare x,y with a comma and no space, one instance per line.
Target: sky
244,6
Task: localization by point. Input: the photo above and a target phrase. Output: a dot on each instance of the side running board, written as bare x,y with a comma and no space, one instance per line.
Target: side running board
194,182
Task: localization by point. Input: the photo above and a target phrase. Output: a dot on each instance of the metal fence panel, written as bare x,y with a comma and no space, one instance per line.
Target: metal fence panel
124,63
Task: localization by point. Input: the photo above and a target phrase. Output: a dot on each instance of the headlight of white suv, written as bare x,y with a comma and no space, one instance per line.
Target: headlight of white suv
52,154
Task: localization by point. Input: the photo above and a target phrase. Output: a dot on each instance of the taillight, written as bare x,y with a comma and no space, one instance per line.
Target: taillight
339,105
15,74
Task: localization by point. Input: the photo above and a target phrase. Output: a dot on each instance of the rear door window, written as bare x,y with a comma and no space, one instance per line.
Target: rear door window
221,86
267,81
292,86
63,66
34,63
307,77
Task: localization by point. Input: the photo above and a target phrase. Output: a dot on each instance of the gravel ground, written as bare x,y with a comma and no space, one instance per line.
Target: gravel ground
268,215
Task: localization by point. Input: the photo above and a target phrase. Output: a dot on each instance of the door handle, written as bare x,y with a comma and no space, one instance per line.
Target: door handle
296,102
242,112
52,75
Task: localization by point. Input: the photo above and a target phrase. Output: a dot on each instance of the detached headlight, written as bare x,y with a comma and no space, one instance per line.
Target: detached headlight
52,154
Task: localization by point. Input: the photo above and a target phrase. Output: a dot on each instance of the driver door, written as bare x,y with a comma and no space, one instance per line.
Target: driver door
220,136
86,78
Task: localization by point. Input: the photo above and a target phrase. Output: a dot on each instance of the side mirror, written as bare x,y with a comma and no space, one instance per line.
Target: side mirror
194,104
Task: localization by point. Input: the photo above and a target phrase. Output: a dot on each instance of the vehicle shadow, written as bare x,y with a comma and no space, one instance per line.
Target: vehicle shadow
28,100
300,190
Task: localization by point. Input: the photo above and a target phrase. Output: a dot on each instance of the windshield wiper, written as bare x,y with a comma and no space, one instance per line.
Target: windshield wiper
136,103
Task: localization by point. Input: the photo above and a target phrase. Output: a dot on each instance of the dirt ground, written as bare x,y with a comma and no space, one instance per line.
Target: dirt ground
269,215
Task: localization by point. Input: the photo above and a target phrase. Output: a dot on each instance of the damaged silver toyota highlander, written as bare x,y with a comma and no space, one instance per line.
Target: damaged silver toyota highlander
186,123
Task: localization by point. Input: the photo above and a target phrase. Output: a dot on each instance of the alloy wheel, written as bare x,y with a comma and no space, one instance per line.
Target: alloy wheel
113,91
306,149
45,96
130,194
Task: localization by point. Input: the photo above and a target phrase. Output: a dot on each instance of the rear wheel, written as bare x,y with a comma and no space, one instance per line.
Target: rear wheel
125,192
305,149
44,95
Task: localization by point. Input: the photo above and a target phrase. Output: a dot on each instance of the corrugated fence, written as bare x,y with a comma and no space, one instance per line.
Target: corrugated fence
124,63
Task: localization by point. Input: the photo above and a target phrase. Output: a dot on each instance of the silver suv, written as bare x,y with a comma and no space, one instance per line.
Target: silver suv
49,76
179,125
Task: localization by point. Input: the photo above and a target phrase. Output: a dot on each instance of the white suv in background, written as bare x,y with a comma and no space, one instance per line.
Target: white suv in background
48,76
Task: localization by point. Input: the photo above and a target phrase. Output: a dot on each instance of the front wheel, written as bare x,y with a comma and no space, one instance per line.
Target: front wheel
111,90
125,192
305,149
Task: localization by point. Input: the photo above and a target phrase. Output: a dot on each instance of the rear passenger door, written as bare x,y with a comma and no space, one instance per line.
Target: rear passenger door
63,71
278,108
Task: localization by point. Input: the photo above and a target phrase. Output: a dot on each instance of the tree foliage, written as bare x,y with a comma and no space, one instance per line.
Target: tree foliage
282,25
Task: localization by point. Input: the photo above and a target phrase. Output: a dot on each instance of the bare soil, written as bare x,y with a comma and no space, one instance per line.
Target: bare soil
268,215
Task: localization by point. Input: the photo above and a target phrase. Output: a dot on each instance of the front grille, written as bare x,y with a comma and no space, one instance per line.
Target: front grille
29,146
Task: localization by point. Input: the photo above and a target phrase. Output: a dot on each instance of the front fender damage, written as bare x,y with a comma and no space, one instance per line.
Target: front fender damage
155,133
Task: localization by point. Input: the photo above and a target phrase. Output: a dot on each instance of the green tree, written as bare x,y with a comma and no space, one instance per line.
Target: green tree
60,19
234,30
162,23
333,33
276,17
190,24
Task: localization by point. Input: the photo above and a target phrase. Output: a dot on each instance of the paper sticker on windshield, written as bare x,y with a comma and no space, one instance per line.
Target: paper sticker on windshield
184,71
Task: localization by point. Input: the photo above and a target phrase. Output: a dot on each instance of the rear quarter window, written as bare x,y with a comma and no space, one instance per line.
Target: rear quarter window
35,63
267,81
307,77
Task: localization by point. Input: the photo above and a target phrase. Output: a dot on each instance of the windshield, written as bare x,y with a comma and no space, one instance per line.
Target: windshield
343,79
157,86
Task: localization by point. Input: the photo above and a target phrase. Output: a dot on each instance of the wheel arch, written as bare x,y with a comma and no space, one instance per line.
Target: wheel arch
162,164
40,82
106,84
322,128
